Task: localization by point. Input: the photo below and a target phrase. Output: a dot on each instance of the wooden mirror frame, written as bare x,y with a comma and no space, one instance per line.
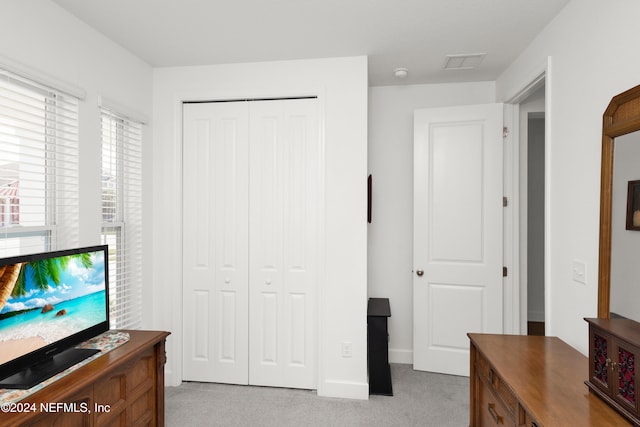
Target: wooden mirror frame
621,117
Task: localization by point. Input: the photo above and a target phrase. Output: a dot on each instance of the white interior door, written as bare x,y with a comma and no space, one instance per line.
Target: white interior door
215,235
250,242
284,177
457,232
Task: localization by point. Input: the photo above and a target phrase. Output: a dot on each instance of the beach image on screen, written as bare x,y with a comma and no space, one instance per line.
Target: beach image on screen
46,300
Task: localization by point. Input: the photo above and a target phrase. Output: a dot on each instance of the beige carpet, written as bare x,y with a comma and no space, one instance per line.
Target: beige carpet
420,399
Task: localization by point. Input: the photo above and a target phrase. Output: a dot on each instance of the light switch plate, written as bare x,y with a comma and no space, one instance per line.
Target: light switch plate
579,272
347,349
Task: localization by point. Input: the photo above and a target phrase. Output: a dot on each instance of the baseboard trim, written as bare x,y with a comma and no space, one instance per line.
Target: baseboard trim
171,380
344,389
401,356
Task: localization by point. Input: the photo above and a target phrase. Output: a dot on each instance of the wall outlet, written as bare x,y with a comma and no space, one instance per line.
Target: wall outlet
579,271
347,349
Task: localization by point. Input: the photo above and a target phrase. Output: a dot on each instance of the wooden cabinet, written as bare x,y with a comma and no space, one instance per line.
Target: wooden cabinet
614,346
124,387
534,382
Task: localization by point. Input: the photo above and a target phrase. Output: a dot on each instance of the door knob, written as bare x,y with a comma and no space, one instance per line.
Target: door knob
420,273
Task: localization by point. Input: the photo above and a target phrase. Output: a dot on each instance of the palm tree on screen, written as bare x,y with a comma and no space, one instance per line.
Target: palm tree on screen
41,274
8,279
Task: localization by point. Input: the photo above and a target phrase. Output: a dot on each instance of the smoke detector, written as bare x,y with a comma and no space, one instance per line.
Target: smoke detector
463,61
401,73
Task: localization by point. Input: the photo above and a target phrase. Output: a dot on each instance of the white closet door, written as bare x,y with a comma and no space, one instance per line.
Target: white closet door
283,242
215,236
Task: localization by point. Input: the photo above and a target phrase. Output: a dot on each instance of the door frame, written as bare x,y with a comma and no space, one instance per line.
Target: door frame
208,96
515,283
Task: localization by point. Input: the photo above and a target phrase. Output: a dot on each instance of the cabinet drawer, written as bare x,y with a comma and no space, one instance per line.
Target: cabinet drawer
128,393
491,410
486,372
527,420
76,413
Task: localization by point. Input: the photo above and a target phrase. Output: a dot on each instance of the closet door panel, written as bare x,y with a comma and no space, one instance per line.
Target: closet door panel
215,235
283,241
300,234
265,243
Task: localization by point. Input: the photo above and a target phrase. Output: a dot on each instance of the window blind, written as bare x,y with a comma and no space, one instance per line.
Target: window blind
122,215
38,167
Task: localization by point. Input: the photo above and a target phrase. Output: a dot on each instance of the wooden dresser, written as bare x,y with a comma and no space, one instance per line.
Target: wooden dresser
532,381
124,387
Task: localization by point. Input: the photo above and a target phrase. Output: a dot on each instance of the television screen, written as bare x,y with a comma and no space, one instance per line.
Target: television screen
50,302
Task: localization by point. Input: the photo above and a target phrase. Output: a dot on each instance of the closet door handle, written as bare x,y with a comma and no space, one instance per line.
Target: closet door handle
420,272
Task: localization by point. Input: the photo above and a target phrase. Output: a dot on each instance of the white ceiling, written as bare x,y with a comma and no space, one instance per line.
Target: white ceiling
416,34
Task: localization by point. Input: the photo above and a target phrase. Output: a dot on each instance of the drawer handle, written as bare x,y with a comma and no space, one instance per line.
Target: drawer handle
492,410
491,376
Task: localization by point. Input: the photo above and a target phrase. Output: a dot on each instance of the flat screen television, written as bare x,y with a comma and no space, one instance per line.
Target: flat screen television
49,303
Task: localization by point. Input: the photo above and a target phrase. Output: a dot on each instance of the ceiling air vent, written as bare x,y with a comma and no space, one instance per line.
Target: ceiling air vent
464,61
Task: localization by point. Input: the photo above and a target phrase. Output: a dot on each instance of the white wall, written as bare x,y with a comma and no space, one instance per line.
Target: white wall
390,253
341,85
40,38
625,244
589,44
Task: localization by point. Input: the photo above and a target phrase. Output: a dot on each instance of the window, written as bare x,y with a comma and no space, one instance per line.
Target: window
38,167
121,215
